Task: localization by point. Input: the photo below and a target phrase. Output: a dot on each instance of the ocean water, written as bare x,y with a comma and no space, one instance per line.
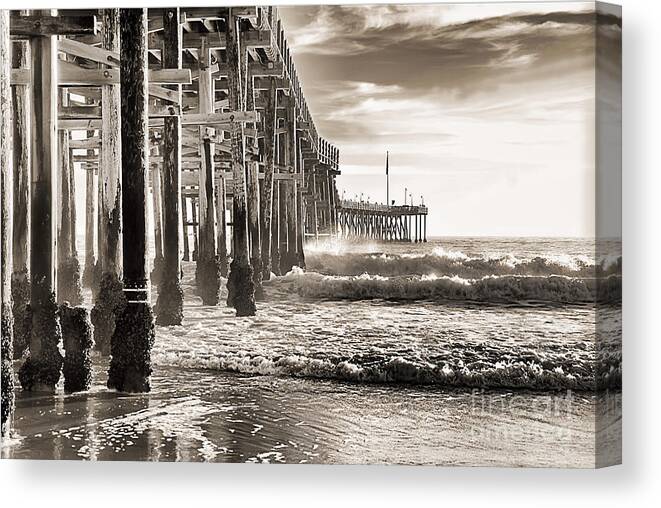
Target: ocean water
451,312
457,351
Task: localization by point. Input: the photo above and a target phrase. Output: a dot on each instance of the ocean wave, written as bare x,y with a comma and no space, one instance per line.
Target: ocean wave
444,262
527,372
489,289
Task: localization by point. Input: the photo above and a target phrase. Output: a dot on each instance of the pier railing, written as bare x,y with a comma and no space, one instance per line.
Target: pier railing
381,208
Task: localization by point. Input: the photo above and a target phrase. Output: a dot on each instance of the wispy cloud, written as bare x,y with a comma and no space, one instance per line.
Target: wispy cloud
494,101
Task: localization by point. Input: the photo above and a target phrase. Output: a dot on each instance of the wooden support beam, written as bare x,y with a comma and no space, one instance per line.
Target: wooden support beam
252,172
169,306
130,366
184,223
210,69
110,171
194,222
157,213
218,120
85,144
221,220
240,284
223,120
207,272
291,257
266,201
26,26
68,270
6,331
190,177
20,77
193,40
109,190
45,359
72,75
253,226
89,52
80,112
21,165
90,214
161,92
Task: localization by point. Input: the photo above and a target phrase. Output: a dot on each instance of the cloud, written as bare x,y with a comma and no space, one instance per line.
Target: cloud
489,105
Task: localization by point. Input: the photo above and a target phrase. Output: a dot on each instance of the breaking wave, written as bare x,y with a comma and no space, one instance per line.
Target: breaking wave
529,371
488,289
443,262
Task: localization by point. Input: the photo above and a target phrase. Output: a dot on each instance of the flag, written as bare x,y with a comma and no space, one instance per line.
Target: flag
386,163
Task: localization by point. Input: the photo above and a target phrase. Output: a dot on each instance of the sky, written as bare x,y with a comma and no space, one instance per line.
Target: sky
487,110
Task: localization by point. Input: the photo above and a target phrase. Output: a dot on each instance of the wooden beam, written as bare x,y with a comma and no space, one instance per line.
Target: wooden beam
20,108
170,296
20,77
208,282
45,25
85,144
130,366
44,353
84,112
218,120
89,52
72,75
240,287
161,92
110,170
190,177
253,39
6,269
271,69
262,83
212,69
266,201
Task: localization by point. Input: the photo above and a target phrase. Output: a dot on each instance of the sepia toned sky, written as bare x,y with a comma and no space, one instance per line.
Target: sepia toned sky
487,110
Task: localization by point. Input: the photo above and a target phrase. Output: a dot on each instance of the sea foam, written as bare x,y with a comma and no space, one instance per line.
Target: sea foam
488,289
525,372
449,262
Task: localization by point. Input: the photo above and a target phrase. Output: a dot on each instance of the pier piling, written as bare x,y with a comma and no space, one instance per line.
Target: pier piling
130,365
41,370
207,273
20,282
240,285
109,299
170,303
266,199
6,317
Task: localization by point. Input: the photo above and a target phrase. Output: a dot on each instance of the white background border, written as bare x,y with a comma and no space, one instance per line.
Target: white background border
51,484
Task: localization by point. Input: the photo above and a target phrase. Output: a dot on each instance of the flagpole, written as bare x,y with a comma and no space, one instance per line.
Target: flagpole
387,183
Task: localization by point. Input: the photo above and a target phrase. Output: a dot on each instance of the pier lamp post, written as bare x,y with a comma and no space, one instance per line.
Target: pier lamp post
405,191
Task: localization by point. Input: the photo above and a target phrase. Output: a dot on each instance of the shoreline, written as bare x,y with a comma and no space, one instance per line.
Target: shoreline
195,415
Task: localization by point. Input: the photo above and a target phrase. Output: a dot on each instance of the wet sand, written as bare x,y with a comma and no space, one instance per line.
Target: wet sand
201,416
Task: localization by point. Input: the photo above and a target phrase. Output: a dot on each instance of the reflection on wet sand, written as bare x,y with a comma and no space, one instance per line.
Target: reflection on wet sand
232,418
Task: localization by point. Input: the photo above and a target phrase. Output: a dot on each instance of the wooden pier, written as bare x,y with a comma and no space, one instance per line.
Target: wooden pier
192,128
373,221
